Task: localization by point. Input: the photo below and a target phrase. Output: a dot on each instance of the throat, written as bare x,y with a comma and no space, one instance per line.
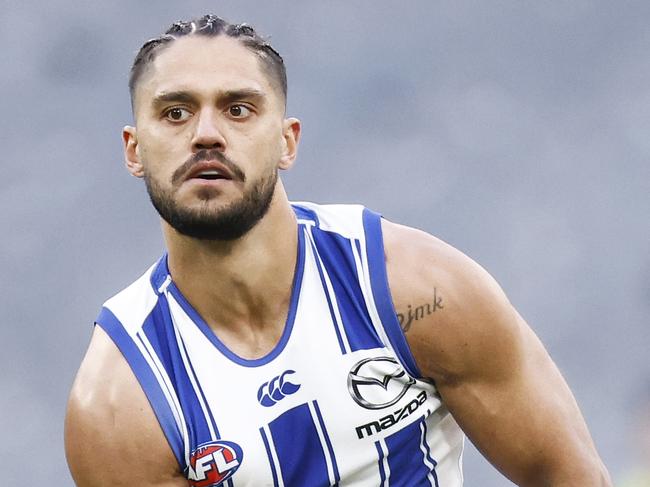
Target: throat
243,290
251,342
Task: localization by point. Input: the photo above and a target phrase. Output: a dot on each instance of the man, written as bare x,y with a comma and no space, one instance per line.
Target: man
296,344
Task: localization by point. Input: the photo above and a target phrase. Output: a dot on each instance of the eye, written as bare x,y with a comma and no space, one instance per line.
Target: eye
239,111
177,114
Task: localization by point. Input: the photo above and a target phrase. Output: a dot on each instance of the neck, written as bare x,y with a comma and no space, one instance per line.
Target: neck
241,288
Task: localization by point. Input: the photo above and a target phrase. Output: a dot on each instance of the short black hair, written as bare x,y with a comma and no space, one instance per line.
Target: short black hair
210,26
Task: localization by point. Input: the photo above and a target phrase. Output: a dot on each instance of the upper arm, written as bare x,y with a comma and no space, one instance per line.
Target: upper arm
112,437
490,369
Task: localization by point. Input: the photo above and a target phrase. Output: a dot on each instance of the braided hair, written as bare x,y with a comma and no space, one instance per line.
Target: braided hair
210,26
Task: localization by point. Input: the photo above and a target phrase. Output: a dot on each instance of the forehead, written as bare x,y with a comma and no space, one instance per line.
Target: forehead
203,64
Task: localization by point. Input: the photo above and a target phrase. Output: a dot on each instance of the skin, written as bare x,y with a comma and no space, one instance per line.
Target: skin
490,368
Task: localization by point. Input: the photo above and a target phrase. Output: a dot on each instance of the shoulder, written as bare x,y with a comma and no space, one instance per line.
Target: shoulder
344,219
131,305
491,370
452,311
112,436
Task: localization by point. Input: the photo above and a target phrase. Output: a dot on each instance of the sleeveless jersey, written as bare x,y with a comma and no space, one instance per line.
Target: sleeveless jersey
338,401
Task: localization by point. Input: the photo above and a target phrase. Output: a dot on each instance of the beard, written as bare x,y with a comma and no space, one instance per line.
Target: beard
228,223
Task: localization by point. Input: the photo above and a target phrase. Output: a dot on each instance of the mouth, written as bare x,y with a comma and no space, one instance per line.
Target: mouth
209,171
210,175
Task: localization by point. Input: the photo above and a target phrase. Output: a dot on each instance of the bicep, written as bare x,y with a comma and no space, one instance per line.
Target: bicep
517,409
112,437
491,370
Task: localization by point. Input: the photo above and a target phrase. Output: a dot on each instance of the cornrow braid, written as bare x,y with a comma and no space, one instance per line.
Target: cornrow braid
210,26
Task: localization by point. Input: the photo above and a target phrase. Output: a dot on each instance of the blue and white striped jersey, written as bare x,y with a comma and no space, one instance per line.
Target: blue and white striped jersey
338,401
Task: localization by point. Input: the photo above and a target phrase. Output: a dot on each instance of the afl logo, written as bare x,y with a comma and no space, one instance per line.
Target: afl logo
378,382
213,463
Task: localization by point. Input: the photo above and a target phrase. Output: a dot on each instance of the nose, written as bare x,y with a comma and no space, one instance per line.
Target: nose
207,134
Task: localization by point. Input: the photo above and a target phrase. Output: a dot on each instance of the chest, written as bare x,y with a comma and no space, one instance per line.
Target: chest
326,406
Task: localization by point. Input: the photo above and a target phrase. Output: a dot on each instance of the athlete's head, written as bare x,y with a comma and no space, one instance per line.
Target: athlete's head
209,101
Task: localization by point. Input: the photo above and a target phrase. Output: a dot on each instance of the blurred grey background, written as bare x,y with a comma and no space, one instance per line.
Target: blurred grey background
518,131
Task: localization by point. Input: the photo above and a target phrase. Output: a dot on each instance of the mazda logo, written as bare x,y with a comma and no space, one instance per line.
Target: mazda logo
378,382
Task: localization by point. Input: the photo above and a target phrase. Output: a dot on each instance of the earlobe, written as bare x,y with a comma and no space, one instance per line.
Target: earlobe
131,157
291,133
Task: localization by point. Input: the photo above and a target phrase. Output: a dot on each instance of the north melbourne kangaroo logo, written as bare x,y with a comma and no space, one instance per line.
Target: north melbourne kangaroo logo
276,389
378,382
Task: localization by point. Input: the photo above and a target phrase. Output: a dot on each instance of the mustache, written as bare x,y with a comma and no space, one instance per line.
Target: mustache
207,155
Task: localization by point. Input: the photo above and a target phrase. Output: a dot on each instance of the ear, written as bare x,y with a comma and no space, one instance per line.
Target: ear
291,135
131,156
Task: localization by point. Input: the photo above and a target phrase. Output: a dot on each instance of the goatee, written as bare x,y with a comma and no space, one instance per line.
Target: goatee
228,223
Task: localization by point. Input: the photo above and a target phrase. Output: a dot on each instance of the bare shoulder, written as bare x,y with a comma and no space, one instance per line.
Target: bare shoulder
112,437
491,370
447,304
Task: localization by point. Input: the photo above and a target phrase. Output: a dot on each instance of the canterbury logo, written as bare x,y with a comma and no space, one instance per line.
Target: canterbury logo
276,389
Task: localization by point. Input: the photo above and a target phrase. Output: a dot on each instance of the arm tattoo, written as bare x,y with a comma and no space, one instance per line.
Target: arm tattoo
419,312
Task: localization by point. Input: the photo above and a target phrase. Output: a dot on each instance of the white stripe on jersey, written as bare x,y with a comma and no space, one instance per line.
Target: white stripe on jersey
424,448
330,292
274,455
188,368
165,385
323,443
384,462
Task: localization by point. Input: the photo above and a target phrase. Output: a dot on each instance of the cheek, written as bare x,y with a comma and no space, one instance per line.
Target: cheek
156,152
253,151
269,145
160,139
154,166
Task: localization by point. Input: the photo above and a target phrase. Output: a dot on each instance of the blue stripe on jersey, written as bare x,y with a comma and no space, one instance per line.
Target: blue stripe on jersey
338,259
200,389
326,435
406,458
380,463
159,330
270,457
299,450
321,274
427,450
152,389
159,274
381,291
357,243
291,316
303,213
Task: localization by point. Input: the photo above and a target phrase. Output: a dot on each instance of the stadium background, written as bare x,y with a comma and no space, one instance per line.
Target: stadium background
518,131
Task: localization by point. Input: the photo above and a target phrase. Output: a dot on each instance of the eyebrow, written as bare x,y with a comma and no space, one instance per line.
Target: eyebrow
223,97
243,94
173,96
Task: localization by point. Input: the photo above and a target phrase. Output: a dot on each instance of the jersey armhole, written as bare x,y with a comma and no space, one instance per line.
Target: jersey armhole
148,381
381,292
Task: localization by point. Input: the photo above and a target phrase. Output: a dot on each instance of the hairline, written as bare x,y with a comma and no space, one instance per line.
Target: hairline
266,65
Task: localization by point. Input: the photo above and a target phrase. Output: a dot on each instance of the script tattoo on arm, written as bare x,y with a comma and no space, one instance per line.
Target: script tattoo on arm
419,312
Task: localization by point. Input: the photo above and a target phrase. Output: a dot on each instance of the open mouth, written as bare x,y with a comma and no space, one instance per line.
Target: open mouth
210,175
